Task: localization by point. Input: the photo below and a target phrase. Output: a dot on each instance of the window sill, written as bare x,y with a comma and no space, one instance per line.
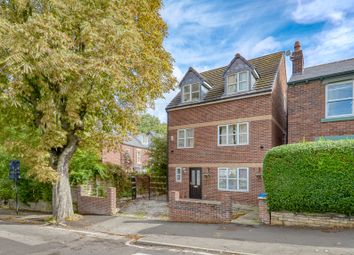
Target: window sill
241,191
335,119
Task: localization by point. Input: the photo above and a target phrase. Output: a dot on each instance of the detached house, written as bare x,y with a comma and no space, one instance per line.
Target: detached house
221,124
320,100
132,154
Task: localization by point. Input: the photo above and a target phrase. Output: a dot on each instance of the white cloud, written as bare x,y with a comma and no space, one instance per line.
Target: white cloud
308,12
331,44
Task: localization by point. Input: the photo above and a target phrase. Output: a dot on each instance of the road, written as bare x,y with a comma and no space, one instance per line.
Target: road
18,239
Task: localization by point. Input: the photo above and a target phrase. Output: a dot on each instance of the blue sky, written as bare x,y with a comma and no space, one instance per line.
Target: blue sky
208,33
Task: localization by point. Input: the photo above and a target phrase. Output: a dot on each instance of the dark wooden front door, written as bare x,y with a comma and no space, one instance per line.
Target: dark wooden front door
195,183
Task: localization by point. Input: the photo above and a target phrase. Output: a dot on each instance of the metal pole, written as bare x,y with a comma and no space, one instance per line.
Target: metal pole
17,206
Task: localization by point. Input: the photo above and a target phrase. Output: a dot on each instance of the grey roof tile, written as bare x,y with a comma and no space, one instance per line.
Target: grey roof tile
329,69
266,66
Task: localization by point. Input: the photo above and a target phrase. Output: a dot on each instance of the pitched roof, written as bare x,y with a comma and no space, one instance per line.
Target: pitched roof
266,66
325,70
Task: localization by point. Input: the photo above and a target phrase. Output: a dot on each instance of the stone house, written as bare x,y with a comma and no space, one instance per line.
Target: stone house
221,124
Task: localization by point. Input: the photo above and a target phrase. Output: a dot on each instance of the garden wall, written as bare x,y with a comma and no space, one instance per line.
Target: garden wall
200,211
105,205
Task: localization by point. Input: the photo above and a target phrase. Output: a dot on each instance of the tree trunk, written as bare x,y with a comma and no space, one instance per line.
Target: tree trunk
62,200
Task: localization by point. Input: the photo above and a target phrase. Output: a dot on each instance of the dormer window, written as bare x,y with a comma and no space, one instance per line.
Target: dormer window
191,93
238,82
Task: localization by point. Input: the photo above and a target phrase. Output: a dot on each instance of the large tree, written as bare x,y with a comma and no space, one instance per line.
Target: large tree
75,73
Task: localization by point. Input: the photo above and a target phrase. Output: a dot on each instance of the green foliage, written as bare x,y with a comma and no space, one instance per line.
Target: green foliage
158,156
152,123
120,179
310,177
85,167
29,190
78,71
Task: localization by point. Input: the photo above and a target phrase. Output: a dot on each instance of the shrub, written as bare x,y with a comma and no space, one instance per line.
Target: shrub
314,177
85,167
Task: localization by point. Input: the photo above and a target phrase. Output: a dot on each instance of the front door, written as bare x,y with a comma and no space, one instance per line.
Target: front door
195,183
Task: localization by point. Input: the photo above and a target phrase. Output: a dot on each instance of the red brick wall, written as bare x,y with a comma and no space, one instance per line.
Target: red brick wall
97,205
115,156
306,108
207,151
279,106
201,211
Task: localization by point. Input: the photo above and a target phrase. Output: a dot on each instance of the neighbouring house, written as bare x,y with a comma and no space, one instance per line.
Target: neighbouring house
221,124
320,100
132,154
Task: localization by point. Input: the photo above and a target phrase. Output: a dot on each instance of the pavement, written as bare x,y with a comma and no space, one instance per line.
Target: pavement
220,238
20,239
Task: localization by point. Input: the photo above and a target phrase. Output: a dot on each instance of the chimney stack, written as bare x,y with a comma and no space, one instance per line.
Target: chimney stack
297,57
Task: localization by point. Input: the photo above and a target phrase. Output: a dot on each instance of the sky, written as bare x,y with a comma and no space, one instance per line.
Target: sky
207,34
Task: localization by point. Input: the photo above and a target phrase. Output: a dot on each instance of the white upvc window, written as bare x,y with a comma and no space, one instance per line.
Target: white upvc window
234,134
178,174
238,82
233,179
191,92
340,99
138,157
185,138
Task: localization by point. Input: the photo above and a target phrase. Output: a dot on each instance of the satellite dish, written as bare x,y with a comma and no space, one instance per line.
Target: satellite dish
288,53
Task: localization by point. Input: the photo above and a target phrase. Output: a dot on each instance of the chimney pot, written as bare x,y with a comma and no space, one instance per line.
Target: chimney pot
297,58
297,46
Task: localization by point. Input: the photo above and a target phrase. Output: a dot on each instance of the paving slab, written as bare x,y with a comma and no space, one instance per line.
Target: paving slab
240,247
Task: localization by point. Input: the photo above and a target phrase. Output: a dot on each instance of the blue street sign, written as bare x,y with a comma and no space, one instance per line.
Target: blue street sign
14,173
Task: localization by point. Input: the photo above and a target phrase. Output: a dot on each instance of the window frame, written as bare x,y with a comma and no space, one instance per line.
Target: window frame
329,101
138,157
237,178
180,174
237,134
185,138
237,84
190,93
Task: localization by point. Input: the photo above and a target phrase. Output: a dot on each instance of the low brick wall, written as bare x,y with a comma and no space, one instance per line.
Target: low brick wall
312,220
97,205
302,219
200,211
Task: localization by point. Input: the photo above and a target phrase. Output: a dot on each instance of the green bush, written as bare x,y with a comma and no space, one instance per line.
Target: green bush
314,177
85,167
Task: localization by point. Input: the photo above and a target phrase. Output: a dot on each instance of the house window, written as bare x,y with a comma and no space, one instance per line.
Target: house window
339,99
238,82
235,134
191,92
185,138
138,157
233,179
145,140
178,174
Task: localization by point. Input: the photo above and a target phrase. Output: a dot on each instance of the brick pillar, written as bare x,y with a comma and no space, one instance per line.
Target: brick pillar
264,214
226,203
79,194
112,200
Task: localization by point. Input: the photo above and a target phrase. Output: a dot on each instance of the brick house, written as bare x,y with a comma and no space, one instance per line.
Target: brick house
132,154
320,100
221,124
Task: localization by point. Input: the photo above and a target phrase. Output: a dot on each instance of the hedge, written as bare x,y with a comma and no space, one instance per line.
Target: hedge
313,177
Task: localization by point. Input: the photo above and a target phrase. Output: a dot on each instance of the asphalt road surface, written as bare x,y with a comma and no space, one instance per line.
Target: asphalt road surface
17,239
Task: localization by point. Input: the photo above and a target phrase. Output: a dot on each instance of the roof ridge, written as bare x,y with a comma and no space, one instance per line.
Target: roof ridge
334,62
246,59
